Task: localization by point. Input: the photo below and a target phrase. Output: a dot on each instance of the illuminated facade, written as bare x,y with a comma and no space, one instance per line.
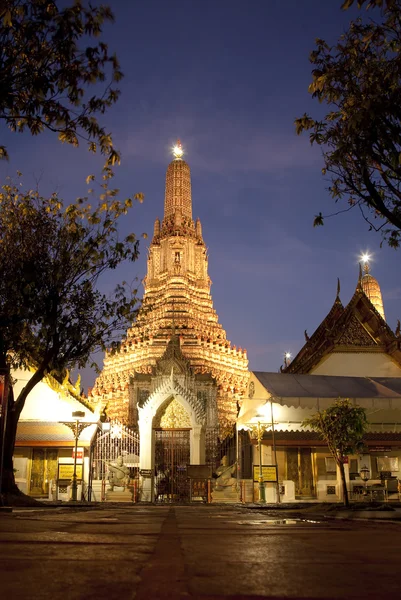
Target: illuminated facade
352,354
352,340
176,351
44,450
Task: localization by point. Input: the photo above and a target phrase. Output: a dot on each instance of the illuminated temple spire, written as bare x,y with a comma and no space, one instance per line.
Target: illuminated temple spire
177,196
370,286
177,303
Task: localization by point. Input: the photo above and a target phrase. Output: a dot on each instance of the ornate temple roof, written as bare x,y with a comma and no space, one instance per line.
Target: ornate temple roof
358,326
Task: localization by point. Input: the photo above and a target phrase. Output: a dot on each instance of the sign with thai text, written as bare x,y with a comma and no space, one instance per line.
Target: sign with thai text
269,473
146,472
66,471
199,489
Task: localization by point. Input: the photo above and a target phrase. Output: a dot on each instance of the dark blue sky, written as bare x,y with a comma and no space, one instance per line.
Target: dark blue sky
228,77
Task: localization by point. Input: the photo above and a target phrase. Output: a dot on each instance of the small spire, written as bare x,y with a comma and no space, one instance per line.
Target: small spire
359,284
338,288
178,186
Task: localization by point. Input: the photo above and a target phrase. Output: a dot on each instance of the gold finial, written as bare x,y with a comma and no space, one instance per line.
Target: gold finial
177,150
338,287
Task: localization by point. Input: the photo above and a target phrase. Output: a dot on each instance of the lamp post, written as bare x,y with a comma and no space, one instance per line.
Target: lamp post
258,432
76,428
365,476
275,454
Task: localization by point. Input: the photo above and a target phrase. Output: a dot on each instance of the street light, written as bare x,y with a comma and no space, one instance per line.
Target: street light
76,428
258,432
365,476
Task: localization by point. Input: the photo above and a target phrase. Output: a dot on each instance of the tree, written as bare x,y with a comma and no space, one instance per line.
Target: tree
342,426
359,79
46,71
52,314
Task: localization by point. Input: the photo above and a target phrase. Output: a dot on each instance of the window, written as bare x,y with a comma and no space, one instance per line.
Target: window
330,464
387,463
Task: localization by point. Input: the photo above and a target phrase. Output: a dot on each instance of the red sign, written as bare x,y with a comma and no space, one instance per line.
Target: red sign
80,453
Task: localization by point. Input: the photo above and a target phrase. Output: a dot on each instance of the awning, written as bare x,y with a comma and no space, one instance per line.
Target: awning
296,397
320,391
50,433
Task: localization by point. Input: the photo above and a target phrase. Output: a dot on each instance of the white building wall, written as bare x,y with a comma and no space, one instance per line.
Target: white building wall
45,404
358,364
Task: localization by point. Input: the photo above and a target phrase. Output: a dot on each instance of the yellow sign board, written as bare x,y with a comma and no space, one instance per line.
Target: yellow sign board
269,473
67,471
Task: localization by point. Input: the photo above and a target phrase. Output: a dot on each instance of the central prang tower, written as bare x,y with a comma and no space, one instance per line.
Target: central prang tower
177,305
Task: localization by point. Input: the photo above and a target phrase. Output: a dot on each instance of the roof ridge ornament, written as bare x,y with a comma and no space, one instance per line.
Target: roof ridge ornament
338,290
359,284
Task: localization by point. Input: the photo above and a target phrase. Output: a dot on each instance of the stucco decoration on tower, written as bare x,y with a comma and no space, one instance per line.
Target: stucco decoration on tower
371,287
177,302
177,198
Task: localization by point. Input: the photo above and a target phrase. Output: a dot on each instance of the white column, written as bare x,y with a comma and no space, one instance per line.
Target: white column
146,454
196,445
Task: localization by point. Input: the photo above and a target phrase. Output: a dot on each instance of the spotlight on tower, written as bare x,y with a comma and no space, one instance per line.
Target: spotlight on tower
177,150
287,358
365,258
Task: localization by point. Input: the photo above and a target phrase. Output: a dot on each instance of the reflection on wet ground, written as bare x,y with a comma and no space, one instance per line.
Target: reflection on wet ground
280,522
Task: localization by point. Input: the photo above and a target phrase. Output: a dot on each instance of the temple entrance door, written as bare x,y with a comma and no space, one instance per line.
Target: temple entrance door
300,471
172,455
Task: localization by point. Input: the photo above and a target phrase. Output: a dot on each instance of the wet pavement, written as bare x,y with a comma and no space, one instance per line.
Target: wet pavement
145,552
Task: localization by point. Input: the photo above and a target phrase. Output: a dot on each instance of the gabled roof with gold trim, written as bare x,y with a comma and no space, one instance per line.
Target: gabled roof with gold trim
358,326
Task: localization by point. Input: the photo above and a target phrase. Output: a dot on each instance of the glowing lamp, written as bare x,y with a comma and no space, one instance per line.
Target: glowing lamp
177,150
365,473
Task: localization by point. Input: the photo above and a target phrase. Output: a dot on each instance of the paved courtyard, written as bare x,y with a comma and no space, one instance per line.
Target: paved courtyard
146,552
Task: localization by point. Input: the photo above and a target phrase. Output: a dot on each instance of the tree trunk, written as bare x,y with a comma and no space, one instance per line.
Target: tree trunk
9,486
9,490
344,483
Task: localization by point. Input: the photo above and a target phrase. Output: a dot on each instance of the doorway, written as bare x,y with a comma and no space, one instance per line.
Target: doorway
172,455
300,471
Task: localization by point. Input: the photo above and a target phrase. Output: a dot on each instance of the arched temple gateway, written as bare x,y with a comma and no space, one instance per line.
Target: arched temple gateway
176,376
